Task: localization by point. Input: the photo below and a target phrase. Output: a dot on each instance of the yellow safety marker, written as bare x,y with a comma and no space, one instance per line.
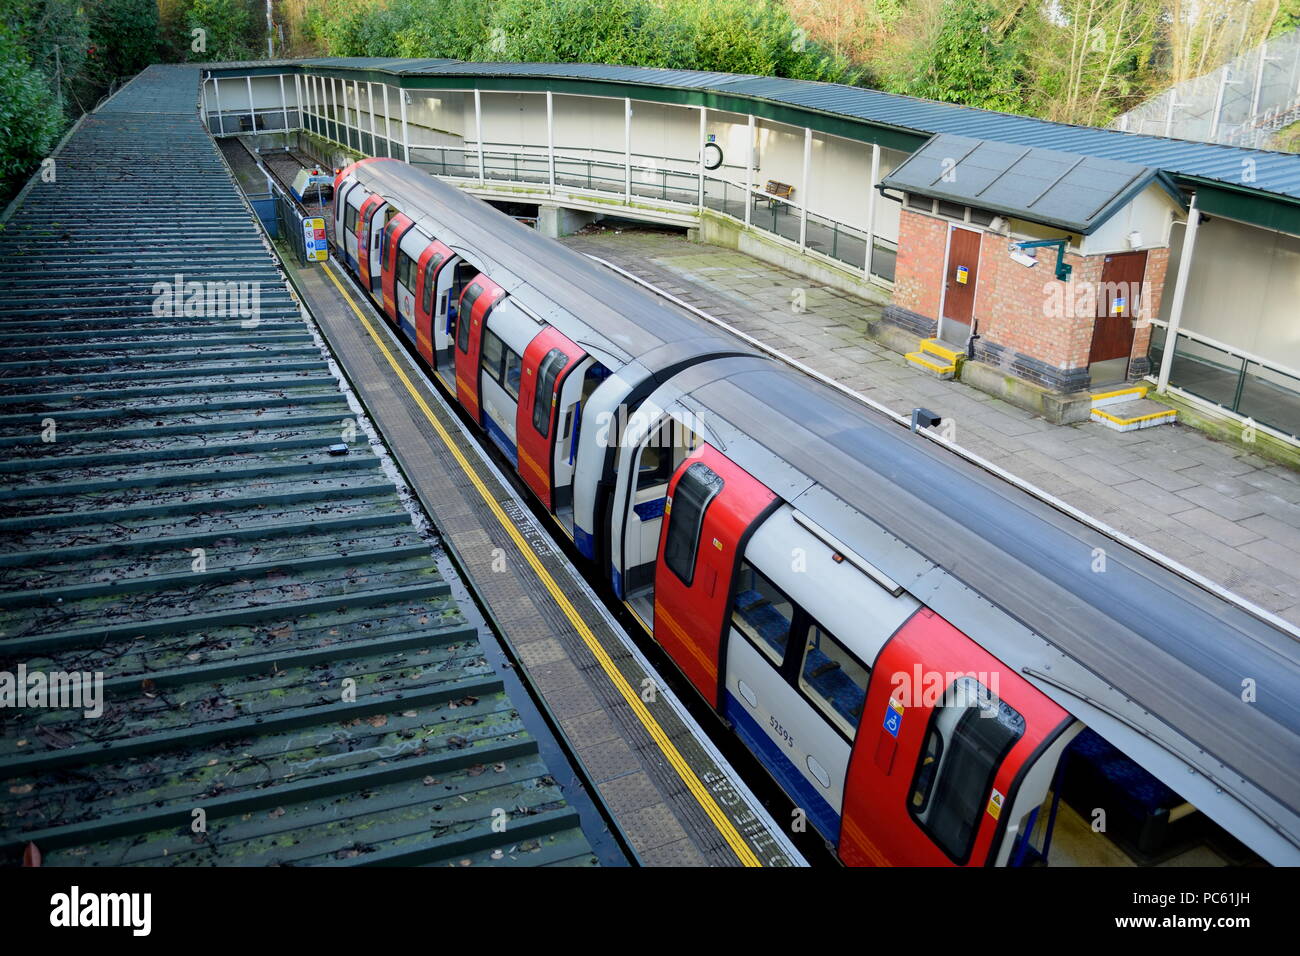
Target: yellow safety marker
678,762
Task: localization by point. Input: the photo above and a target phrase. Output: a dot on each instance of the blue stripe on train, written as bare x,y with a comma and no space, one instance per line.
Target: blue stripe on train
800,789
501,440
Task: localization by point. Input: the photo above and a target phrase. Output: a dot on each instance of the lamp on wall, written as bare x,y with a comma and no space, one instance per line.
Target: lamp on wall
1135,240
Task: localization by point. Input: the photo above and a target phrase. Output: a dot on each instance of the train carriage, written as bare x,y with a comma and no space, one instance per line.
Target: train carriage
925,658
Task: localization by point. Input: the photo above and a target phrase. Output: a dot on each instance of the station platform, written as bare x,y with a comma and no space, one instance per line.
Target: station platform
1221,511
673,796
228,635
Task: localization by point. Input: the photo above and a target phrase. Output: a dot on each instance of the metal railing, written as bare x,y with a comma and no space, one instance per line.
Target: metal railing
657,178
1246,385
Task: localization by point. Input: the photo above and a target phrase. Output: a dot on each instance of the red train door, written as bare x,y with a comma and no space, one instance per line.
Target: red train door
430,264
365,219
475,304
947,734
548,360
393,233
712,506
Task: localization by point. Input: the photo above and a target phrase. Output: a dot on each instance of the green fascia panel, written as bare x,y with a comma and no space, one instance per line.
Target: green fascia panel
1245,205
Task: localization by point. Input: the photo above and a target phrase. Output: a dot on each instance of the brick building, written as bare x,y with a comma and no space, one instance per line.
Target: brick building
1041,263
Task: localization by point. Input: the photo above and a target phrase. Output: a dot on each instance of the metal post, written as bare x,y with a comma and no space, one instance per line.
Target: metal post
703,110
297,101
803,206
1169,111
871,207
334,108
478,132
388,126
203,97
550,137
1259,82
1218,102
370,99
749,172
252,113
284,103
356,89
216,92
406,139
1180,292
627,150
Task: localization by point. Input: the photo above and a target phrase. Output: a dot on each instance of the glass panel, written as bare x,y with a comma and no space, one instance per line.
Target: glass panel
762,613
511,375
547,372
954,773
491,358
833,680
1270,397
695,489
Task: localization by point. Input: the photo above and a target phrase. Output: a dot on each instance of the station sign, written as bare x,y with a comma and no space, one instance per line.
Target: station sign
316,247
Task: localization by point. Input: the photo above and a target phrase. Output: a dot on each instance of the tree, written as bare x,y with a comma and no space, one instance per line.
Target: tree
230,31
969,57
125,35
29,118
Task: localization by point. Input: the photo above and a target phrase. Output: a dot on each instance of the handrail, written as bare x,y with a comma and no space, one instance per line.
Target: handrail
1230,349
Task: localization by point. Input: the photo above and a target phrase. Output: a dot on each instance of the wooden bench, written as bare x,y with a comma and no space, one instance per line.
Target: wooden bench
775,192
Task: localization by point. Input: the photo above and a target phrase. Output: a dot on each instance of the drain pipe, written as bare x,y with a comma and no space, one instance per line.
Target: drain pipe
1180,294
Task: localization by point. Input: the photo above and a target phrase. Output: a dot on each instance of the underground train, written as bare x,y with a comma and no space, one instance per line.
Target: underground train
938,668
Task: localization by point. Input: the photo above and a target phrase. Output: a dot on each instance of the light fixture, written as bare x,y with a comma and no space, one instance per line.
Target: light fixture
1135,240
1024,258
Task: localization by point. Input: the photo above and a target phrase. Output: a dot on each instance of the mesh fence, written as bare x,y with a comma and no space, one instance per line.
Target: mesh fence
1243,103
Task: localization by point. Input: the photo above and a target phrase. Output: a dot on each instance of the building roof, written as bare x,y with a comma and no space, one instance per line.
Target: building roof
1073,192
1257,186
187,533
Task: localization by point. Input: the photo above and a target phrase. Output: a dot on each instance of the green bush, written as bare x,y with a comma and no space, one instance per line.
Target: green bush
30,120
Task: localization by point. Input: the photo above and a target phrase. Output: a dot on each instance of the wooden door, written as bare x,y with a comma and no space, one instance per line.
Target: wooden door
1118,304
959,284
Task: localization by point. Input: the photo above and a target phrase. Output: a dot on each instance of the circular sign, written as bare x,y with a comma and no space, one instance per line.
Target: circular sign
712,155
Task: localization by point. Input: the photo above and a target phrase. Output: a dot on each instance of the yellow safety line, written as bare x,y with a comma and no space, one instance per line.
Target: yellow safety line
678,762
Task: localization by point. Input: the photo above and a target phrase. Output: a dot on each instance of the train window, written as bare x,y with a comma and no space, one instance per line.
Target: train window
834,680
762,612
547,372
491,360
350,220
970,733
430,270
657,463
511,373
697,487
462,321
386,256
406,270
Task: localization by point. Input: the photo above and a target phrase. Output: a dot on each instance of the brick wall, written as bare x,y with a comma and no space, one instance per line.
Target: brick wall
1157,269
1028,310
918,273
1020,312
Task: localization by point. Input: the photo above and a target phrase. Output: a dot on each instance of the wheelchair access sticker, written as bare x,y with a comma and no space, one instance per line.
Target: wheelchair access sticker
894,717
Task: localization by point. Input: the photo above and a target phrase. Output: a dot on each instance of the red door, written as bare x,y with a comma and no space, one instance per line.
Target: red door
365,219
431,262
691,610
904,802
1118,304
393,233
548,359
475,304
959,283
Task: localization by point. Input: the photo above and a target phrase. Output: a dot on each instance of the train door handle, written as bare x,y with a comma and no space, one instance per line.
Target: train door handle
747,692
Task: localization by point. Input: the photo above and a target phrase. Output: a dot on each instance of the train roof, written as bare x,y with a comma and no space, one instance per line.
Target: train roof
593,306
1135,650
